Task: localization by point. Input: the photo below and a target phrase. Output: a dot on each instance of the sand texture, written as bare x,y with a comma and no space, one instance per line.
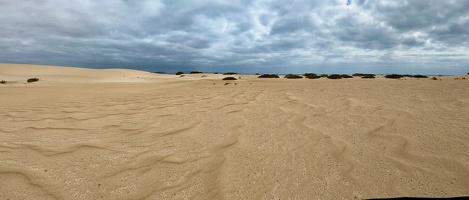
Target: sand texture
126,134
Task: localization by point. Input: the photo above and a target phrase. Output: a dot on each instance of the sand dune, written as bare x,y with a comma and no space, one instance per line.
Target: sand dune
171,137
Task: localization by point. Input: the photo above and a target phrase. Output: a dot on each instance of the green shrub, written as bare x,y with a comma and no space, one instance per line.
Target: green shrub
346,76
257,74
394,76
369,76
32,80
420,76
230,73
229,78
179,73
293,76
215,73
268,76
334,76
3,82
196,72
434,78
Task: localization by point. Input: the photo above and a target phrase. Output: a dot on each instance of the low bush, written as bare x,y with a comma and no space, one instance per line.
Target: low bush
229,78
346,76
3,82
369,76
32,80
311,76
393,76
196,72
179,73
215,73
434,78
334,76
257,74
420,76
230,73
293,76
362,75
268,76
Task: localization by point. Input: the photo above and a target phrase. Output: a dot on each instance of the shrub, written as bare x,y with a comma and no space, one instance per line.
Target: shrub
230,73
393,76
420,76
32,80
257,74
293,76
434,78
196,72
311,76
361,74
334,76
229,78
179,73
369,76
268,76
346,76
215,73
3,82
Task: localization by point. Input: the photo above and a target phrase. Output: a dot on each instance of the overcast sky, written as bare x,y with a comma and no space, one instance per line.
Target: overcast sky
247,36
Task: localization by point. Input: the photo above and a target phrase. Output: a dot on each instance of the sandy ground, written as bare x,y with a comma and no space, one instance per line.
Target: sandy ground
126,134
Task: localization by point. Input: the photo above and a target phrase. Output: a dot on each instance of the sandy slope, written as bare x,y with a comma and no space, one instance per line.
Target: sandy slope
170,138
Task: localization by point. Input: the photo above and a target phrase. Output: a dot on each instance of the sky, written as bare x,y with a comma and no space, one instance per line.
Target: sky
244,36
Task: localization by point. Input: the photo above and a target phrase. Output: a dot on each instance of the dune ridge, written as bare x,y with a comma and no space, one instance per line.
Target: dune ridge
174,138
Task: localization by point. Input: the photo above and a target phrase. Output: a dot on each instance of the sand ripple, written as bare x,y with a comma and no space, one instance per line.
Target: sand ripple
268,140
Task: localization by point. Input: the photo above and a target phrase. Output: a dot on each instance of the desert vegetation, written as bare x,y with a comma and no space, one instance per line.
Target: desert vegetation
394,76
293,76
311,76
3,82
179,73
369,76
346,76
398,76
434,78
334,76
419,76
32,80
268,76
362,75
229,78
230,73
196,72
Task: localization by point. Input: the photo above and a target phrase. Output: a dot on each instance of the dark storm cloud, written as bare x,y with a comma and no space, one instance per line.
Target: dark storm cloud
248,36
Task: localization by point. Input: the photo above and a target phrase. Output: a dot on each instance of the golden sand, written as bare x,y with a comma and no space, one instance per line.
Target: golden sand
127,134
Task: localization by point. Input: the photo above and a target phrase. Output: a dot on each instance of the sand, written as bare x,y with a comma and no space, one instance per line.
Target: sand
127,134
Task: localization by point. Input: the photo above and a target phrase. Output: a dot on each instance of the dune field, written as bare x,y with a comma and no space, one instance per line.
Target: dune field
127,134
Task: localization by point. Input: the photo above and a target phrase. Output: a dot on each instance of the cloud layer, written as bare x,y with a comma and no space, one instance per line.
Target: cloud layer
410,36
